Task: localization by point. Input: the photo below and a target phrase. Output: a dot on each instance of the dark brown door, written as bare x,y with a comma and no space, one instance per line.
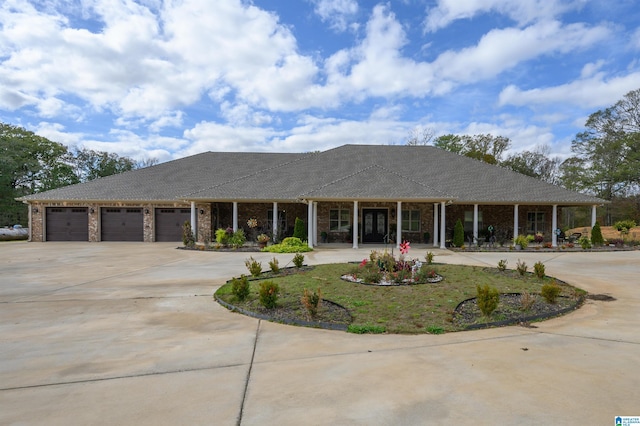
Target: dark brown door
67,224
374,223
169,223
121,224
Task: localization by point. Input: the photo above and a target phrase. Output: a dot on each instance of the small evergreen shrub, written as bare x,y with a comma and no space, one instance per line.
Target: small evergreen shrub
458,234
521,267
596,235
551,291
538,269
274,265
429,257
240,287
254,267
237,239
298,260
269,294
584,242
188,239
488,299
312,301
502,265
299,230
222,236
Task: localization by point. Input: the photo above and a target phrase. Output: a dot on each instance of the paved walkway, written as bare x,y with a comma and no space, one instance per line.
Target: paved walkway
128,334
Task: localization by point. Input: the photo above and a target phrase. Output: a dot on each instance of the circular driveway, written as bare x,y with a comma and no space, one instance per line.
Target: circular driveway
128,333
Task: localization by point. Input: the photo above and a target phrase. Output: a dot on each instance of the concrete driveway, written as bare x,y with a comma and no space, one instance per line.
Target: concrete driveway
128,333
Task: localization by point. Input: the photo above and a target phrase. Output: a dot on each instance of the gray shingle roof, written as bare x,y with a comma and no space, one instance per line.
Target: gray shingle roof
357,172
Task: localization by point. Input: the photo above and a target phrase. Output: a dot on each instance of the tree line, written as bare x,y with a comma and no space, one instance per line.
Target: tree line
30,163
605,159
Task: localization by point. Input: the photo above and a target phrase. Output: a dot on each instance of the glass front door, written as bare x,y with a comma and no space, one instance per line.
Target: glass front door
374,225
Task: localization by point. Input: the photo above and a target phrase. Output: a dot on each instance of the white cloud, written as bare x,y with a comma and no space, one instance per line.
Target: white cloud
338,13
593,92
523,12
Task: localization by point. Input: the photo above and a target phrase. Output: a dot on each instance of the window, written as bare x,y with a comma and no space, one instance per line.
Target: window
535,223
468,221
339,220
410,220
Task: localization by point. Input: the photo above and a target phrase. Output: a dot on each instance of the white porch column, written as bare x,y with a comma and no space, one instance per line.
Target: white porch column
235,216
275,221
435,224
193,220
593,215
399,224
315,223
475,222
310,223
443,230
554,226
354,228
515,221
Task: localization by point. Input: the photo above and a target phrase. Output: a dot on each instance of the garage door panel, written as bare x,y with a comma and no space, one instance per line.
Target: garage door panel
169,222
67,224
122,224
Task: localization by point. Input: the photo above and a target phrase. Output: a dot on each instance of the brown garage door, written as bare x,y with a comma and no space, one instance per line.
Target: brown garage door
169,223
121,224
67,224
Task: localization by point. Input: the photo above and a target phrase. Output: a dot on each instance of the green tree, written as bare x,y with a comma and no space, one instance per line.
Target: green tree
536,163
299,230
90,164
458,234
484,147
596,235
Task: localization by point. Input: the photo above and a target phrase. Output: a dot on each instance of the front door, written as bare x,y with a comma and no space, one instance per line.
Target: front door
375,225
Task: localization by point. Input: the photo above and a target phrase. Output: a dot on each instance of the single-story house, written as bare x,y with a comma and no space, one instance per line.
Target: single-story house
355,194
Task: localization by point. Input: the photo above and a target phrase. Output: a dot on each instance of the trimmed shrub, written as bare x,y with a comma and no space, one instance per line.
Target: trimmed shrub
596,235
237,239
274,265
458,234
288,245
488,299
299,230
429,257
298,260
269,294
254,267
240,287
502,265
624,226
551,291
521,267
312,301
222,236
538,269
188,239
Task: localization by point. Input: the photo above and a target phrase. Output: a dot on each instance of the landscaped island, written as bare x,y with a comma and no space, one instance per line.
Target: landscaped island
466,297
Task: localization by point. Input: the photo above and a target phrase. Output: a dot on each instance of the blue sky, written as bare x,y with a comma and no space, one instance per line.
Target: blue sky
167,79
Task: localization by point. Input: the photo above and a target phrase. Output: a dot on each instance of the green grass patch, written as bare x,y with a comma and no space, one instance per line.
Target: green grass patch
409,309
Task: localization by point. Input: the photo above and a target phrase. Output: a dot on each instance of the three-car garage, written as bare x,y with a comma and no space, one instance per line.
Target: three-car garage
115,223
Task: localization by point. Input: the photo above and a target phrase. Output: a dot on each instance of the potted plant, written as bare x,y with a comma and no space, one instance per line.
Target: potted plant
324,236
263,239
522,241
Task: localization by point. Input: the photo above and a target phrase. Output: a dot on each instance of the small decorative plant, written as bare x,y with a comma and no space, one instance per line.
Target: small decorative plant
538,269
539,237
429,257
526,300
254,267
222,236
488,299
274,265
521,267
237,239
240,287
523,240
269,294
551,291
502,265
298,260
584,242
312,301
188,239
263,238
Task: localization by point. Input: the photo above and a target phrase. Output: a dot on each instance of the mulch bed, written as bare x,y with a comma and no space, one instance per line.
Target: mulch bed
509,311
